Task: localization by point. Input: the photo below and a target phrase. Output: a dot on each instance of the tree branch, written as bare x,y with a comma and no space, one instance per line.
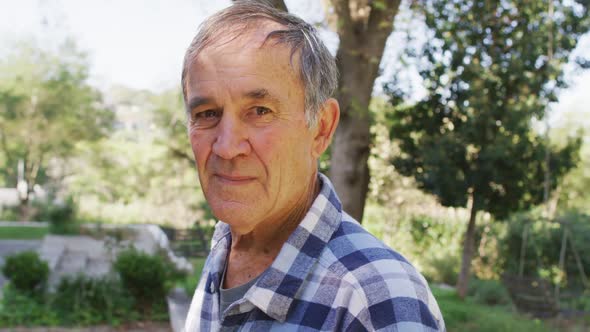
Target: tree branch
35,171
343,19
178,153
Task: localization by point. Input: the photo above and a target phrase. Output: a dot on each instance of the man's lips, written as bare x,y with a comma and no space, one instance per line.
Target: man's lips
233,179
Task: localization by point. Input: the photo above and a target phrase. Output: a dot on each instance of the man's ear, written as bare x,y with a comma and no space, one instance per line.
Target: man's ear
326,126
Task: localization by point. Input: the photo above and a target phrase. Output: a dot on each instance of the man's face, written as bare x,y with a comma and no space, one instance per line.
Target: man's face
254,153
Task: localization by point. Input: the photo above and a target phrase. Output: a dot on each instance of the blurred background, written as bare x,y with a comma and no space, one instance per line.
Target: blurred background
465,122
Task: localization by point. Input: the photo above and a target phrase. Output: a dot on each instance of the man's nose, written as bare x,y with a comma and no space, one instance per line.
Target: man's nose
232,138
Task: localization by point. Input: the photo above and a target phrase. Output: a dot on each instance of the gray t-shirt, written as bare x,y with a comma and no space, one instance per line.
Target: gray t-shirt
227,296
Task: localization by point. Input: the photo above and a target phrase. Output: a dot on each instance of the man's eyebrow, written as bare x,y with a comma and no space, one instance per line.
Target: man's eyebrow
261,94
198,101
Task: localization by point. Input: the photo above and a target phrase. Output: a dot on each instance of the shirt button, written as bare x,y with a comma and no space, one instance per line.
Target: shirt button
212,288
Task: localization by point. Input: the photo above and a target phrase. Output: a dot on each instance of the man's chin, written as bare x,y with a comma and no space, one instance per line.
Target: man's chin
233,212
240,226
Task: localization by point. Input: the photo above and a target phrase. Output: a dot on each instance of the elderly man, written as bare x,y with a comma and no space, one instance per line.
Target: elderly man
257,85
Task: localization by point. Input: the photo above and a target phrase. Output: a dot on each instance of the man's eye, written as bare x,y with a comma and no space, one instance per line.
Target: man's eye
208,114
206,118
262,111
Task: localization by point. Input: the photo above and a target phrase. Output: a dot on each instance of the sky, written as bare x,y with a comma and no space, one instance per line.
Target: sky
141,43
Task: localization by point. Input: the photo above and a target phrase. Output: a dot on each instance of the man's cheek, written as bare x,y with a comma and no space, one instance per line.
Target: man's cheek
200,149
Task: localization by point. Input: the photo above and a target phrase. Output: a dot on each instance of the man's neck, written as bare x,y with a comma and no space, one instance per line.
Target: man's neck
254,252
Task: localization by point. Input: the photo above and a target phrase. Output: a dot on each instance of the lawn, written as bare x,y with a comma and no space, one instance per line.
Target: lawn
469,316
22,233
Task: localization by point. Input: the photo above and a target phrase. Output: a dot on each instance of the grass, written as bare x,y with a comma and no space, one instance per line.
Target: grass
22,233
468,316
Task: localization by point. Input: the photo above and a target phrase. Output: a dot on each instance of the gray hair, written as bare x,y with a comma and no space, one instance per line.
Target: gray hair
317,70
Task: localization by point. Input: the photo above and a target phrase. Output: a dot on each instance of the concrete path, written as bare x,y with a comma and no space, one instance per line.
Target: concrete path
11,247
178,305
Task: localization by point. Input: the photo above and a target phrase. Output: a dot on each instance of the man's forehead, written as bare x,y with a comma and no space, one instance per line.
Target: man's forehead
254,34
249,44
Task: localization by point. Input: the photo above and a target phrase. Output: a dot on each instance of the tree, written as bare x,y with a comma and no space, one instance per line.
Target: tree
363,27
489,68
143,171
572,193
46,107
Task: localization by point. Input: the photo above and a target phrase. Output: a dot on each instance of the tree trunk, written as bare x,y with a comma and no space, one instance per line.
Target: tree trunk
24,211
363,27
468,247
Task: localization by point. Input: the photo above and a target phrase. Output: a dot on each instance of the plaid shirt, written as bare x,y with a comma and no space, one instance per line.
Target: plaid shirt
330,275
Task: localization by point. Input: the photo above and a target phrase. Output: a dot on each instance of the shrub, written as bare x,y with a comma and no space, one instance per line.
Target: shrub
9,213
83,300
26,271
61,216
146,277
442,269
489,292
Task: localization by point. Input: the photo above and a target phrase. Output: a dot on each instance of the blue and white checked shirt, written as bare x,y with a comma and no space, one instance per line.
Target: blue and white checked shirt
330,275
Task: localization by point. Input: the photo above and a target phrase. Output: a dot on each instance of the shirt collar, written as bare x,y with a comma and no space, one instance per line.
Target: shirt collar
276,288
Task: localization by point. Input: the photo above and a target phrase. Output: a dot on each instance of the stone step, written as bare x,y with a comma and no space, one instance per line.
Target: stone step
72,262
51,250
97,267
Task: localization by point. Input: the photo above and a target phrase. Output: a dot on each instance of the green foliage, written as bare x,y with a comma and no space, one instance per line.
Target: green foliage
425,231
579,301
9,213
489,292
147,277
429,238
18,308
574,193
61,216
489,69
82,300
170,115
428,234
487,75
143,172
467,315
77,301
544,239
430,242
442,269
46,107
27,272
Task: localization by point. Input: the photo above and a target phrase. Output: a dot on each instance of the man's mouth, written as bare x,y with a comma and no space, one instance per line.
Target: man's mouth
233,179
